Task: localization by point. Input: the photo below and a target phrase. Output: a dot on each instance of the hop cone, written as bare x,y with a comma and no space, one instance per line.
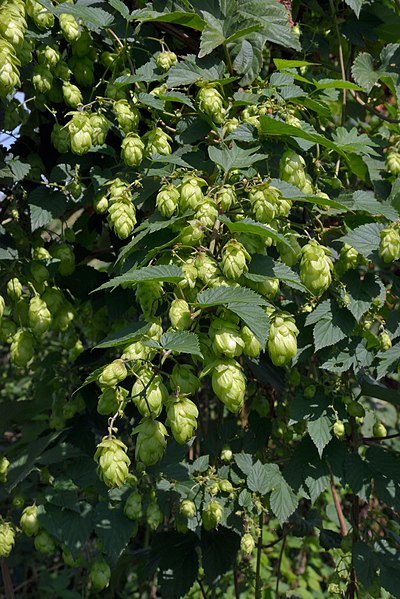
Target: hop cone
315,268
151,441
7,539
113,463
234,259
282,340
229,384
389,247
182,416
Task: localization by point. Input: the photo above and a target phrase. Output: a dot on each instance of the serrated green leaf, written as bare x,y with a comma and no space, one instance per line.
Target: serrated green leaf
363,71
183,342
387,360
335,84
320,432
93,17
262,267
218,296
364,563
186,19
112,528
274,19
356,5
120,7
335,325
234,157
168,273
365,239
212,35
45,205
361,291
125,335
283,500
191,69
366,201
248,225
150,100
258,479
254,317
244,461
291,192
352,141
282,63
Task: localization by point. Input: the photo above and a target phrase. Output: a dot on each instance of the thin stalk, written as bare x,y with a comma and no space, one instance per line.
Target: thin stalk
258,564
278,574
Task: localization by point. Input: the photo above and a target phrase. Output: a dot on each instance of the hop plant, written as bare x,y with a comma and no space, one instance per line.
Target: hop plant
113,374
211,103
184,380
315,268
229,384
39,316
263,203
21,351
127,116
282,339
234,259
100,574
179,314
292,169
166,60
69,27
132,149
113,462
122,218
7,538
182,416
151,441
44,543
211,515
157,142
167,200
389,247
148,392
133,506
29,521
393,162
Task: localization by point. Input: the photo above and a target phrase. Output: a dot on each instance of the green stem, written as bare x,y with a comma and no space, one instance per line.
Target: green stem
258,564
228,59
278,574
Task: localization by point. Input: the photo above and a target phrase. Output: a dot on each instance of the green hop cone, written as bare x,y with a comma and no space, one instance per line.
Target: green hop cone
229,384
268,287
21,351
99,574
62,71
69,27
282,340
385,341
133,506
60,138
349,259
149,295
252,347
207,267
166,60
151,441
187,508
189,275
289,252
339,429
44,543
154,516
211,103
136,351
263,203
225,486
113,374
122,218
29,521
315,267
234,259
191,195
65,254
54,299
113,463
83,70
127,116
157,142
379,430
48,56
389,247
8,329
167,200
83,45
226,338
100,128
292,169
247,544
226,197
132,149
149,392
226,454
207,214
7,538
2,306
111,400
39,316
192,234
12,24
14,289
179,315
182,416
100,203
72,94
393,162
63,318
42,79
184,380
4,464
42,17
80,132
211,515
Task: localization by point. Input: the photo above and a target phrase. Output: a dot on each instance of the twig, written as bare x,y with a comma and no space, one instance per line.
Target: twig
202,589
190,43
278,574
371,109
235,583
8,585
258,564
338,507
369,440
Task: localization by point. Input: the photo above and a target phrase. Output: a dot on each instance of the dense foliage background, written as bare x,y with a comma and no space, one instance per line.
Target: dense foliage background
199,309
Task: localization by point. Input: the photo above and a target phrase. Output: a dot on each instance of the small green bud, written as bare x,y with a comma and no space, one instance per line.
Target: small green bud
100,574
29,521
187,508
211,515
44,543
379,430
165,60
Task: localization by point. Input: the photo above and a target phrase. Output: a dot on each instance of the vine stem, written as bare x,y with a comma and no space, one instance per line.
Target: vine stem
258,564
338,507
8,586
278,574
228,59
